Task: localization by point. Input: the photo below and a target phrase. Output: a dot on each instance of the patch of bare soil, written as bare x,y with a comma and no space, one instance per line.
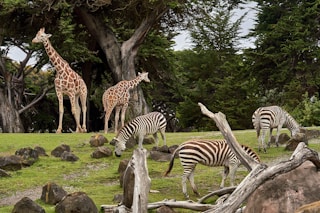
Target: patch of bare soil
33,194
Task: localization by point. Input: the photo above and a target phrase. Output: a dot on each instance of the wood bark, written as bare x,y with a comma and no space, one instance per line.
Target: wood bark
136,183
121,57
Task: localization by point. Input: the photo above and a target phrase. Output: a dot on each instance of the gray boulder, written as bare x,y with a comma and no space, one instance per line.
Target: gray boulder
77,202
286,192
26,205
52,193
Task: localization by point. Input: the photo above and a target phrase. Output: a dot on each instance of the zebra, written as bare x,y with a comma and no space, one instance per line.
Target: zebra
270,117
209,153
140,126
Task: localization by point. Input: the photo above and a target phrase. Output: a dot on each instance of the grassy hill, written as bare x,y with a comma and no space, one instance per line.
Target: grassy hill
99,177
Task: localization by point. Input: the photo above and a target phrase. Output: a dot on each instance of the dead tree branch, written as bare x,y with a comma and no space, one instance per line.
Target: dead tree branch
260,173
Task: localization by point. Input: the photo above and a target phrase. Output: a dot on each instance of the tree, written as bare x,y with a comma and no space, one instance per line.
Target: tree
214,72
285,63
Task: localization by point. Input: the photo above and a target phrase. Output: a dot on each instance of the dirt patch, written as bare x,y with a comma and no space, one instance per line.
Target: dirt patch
33,194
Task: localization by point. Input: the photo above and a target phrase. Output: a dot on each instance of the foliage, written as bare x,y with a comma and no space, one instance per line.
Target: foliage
213,72
308,111
285,59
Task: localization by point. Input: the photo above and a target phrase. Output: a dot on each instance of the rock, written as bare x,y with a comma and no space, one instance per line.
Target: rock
118,198
102,152
309,208
98,140
41,151
57,152
163,148
286,192
160,156
29,156
292,144
69,156
77,202
148,140
11,163
52,193
3,173
27,153
26,205
121,169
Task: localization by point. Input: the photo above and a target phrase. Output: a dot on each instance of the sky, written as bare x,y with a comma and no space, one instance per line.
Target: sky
183,39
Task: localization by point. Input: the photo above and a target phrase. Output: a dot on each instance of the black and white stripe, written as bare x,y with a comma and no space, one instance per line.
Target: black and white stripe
210,153
142,125
270,117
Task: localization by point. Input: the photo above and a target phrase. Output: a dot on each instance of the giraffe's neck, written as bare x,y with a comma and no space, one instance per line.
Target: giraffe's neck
58,62
133,83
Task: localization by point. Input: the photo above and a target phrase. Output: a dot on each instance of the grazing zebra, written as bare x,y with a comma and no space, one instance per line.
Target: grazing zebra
209,153
265,118
142,125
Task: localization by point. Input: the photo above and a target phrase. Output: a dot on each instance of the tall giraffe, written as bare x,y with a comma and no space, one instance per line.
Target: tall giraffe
118,96
66,82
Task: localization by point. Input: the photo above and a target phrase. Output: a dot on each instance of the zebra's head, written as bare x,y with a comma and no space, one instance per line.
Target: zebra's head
120,147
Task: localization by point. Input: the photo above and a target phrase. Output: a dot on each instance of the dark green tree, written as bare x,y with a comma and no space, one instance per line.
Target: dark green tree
214,72
285,61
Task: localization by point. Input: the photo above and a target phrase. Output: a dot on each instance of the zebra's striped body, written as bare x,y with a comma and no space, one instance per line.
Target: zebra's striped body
142,125
210,153
265,118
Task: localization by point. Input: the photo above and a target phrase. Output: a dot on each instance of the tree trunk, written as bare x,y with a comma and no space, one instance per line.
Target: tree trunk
121,57
10,121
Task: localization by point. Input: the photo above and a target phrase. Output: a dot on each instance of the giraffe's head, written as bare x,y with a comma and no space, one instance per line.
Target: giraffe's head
144,76
41,36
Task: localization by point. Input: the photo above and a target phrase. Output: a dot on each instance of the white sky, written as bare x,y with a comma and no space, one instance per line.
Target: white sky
183,39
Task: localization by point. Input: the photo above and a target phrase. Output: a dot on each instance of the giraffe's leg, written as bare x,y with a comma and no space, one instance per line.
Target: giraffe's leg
61,110
77,114
123,113
108,111
74,107
83,99
116,118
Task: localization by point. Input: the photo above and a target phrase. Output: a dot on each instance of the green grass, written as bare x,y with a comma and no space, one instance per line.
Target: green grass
99,177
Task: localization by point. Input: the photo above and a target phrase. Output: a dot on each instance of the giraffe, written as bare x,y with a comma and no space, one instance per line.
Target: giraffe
67,82
118,96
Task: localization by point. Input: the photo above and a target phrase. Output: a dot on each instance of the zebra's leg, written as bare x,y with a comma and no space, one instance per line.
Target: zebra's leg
224,176
193,185
233,170
278,134
270,135
184,185
163,136
155,136
263,143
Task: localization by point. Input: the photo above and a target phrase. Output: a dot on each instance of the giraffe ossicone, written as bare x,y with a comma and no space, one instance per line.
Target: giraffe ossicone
118,97
67,82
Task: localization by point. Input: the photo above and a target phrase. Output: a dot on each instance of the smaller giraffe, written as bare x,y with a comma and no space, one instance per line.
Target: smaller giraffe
66,82
118,96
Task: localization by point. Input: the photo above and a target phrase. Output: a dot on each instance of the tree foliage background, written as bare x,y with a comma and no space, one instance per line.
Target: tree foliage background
96,36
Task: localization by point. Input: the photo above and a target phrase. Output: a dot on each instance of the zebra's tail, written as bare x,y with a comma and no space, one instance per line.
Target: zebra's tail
171,162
